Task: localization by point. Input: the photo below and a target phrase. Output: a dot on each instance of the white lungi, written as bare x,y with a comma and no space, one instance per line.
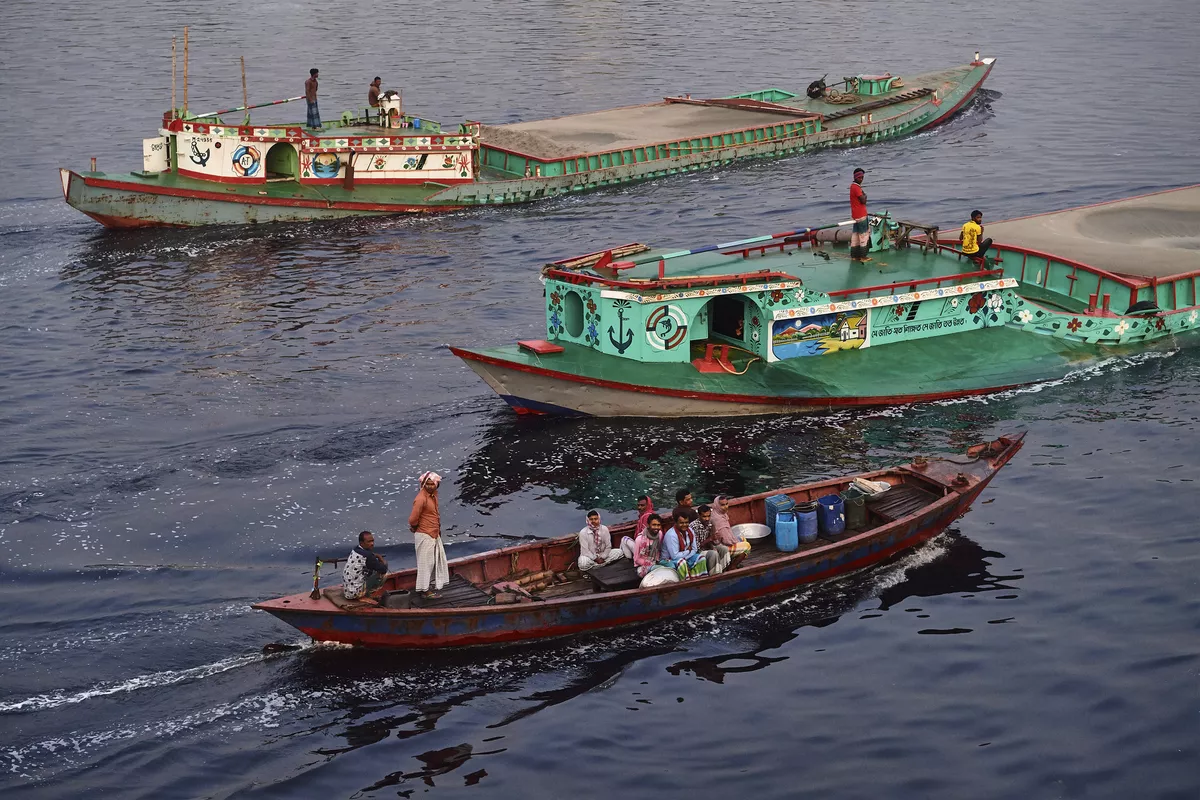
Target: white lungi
431,562
586,563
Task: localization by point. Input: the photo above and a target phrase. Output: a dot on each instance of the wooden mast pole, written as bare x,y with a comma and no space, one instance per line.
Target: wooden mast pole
174,113
185,69
245,97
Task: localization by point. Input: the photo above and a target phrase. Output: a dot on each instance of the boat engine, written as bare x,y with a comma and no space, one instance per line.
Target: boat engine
816,89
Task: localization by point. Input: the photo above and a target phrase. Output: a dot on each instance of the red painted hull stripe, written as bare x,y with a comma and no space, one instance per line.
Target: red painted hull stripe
800,402
394,208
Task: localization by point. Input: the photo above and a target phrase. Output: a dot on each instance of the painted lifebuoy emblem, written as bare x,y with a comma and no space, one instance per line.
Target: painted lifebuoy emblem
666,327
245,161
326,165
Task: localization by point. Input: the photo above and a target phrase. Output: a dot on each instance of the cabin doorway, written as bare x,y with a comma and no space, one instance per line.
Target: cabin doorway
283,163
729,317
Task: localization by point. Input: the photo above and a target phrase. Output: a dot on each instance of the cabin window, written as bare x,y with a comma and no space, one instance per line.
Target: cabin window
573,314
729,317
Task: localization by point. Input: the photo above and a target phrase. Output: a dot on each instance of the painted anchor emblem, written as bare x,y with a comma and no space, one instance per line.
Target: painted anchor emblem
623,338
198,157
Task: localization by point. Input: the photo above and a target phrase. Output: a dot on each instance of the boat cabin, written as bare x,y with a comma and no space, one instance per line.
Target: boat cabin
383,147
770,298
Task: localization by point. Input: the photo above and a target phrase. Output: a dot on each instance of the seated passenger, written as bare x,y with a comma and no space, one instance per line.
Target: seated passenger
723,531
364,570
681,550
970,237
683,502
595,544
645,507
706,538
647,548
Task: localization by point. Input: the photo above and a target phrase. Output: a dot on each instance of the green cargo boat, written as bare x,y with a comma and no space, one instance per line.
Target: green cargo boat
788,322
200,170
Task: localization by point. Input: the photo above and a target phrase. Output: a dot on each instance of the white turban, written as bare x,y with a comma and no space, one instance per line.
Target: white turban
429,476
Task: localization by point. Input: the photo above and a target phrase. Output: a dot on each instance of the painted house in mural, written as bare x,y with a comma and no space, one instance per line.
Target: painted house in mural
788,322
202,169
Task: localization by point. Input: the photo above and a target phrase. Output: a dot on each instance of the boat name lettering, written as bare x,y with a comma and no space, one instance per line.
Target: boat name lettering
917,327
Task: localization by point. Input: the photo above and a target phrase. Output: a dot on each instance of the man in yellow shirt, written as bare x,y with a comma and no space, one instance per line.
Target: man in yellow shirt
971,237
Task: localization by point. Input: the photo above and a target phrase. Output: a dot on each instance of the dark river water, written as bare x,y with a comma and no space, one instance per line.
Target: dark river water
187,416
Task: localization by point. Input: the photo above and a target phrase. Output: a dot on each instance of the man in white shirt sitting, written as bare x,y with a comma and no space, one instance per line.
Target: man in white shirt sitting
595,544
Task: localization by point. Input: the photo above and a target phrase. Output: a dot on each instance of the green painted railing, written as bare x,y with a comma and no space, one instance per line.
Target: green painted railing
520,165
763,95
1050,277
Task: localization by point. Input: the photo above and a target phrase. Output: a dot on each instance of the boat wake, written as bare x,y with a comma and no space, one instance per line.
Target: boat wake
153,680
120,631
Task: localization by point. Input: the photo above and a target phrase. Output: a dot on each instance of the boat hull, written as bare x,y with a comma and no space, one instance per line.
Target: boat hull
533,390
492,625
130,202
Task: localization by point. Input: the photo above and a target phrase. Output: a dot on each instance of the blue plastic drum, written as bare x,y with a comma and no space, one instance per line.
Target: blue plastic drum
831,515
786,533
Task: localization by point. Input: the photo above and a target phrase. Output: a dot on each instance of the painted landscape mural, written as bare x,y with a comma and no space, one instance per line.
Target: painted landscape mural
820,334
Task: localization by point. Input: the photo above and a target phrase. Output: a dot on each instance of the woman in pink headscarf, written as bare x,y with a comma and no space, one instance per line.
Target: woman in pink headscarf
645,508
722,530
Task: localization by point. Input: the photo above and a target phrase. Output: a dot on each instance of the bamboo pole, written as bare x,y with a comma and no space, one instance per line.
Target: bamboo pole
246,108
245,97
173,111
185,69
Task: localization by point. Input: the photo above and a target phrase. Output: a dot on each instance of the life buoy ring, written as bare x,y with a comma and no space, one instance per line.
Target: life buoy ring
245,161
666,327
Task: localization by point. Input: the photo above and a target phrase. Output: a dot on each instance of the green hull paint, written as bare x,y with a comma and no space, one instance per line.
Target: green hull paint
167,198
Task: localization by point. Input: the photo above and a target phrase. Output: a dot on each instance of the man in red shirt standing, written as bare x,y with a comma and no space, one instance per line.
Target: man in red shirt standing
860,238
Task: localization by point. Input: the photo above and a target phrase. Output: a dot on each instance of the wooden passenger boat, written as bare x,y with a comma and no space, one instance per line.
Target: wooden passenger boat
788,322
215,169
925,497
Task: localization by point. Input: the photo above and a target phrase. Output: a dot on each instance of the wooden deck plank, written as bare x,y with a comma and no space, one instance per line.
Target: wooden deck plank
458,593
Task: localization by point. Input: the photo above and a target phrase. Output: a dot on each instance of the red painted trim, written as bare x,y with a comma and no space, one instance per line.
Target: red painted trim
668,283
799,402
394,149
203,176
361,178
127,222
393,208
964,101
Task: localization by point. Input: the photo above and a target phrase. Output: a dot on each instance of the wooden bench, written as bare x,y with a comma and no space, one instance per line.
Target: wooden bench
904,237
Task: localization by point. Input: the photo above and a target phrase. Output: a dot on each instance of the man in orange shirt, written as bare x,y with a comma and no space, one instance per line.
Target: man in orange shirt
426,524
